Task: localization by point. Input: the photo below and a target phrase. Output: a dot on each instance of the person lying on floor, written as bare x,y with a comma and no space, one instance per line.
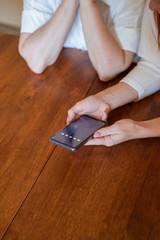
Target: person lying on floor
105,28
141,82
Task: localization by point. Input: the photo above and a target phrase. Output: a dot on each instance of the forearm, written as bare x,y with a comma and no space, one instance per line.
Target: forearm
121,94
145,129
124,130
42,47
105,53
118,95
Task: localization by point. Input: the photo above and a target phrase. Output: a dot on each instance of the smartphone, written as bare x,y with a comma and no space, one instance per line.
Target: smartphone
78,132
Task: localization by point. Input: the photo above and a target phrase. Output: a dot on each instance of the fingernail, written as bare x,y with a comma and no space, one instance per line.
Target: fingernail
96,135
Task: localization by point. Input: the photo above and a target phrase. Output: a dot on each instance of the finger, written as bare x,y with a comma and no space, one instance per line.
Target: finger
77,109
96,141
107,141
107,108
106,131
102,133
71,115
104,116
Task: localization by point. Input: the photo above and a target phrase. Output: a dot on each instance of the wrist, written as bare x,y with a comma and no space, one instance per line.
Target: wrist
146,129
107,105
107,97
119,95
138,130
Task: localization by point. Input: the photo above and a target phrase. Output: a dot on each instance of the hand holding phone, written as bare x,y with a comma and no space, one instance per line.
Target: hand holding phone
78,132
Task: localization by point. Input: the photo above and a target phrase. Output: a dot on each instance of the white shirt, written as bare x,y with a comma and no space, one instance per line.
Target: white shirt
145,77
123,18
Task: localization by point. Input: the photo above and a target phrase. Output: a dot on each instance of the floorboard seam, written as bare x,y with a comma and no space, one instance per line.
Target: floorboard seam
29,192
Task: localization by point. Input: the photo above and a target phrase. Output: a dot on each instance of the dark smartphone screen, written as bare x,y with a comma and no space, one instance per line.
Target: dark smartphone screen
78,132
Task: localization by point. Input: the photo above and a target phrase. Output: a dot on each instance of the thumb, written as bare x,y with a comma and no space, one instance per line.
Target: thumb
77,109
104,116
107,109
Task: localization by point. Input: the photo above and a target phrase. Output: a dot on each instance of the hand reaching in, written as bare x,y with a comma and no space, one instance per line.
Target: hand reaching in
93,105
120,131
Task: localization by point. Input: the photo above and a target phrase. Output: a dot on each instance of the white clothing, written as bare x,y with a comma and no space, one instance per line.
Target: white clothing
123,18
145,77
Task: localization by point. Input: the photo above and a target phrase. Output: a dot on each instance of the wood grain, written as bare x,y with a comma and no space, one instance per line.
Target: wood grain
32,108
50,193
91,194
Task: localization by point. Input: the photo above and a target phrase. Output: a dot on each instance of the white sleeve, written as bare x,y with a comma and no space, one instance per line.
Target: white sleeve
127,17
144,78
34,15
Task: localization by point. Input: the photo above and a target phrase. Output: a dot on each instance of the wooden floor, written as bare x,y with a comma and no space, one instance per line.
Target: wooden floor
50,193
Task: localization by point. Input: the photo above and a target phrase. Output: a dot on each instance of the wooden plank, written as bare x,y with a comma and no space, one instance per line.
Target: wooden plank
32,108
4,41
97,192
144,222
89,194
